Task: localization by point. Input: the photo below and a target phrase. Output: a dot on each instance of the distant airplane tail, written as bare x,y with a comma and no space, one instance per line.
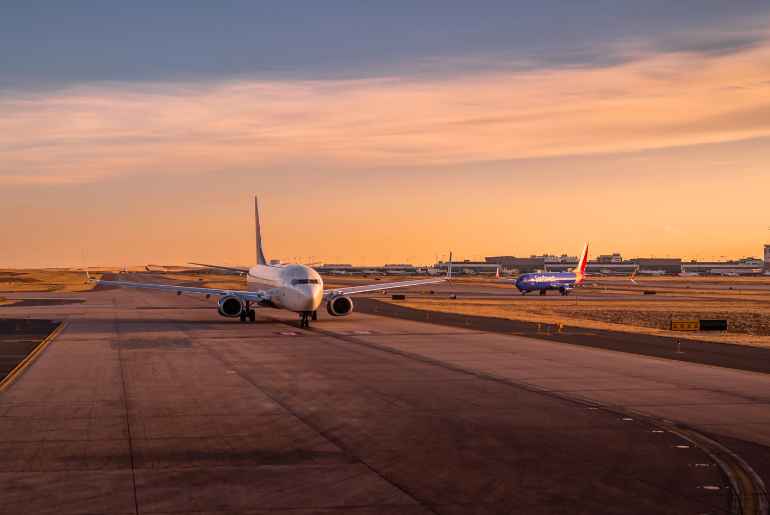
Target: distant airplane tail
580,271
449,268
260,254
633,276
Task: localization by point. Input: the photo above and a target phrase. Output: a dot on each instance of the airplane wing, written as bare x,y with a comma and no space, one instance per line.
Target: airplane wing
352,290
254,296
243,271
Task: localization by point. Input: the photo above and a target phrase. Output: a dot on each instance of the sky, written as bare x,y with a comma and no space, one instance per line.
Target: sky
132,133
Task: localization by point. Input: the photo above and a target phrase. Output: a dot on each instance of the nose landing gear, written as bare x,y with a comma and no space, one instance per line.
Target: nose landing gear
304,318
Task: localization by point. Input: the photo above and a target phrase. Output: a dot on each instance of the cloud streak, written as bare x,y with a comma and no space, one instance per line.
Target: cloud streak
712,92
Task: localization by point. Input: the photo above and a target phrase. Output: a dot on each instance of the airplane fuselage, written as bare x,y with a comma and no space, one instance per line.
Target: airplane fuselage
294,287
544,281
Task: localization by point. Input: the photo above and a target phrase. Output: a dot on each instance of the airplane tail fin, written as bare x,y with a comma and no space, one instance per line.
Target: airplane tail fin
580,271
260,254
449,268
633,276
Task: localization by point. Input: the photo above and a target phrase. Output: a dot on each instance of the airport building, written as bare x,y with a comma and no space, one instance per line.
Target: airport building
468,267
767,257
746,266
522,265
667,266
595,268
400,267
608,264
610,258
328,268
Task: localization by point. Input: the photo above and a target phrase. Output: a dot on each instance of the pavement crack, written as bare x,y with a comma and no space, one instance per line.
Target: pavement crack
125,411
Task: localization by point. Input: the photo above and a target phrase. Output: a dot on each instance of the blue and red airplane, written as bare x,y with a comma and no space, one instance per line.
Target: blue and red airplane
561,281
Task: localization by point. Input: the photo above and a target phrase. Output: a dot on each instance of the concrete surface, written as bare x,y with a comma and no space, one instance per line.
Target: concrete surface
152,403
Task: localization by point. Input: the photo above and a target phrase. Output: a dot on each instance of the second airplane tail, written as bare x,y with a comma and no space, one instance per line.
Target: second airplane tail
580,271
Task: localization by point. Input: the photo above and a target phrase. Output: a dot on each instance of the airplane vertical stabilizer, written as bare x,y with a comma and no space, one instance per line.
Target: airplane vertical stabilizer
580,271
260,254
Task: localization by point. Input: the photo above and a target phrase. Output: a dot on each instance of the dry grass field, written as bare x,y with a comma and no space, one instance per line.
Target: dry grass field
45,280
205,280
749,321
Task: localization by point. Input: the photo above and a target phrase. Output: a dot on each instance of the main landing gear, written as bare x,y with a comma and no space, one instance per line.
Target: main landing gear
542,292
249,314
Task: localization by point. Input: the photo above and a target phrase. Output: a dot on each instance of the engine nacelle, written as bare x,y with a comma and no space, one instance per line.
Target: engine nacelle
340,306
230,306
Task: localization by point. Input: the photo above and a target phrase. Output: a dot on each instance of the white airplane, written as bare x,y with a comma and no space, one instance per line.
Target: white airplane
293,287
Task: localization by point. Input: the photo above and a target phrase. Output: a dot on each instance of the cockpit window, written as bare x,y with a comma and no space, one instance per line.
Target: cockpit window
295,282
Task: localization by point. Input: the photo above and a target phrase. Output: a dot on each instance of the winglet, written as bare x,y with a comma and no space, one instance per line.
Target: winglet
260,255
580,271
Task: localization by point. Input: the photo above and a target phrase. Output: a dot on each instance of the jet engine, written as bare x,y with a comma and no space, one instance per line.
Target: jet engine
340,306
230,306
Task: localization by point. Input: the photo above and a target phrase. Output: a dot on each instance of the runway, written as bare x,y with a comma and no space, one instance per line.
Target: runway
148,403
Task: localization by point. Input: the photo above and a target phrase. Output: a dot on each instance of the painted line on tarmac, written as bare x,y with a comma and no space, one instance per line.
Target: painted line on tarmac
750,494
19,369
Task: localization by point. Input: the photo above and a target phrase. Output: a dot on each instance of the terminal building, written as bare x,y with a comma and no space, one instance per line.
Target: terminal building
595,268
606,264
610,264
513,263
667,266
615,258
468,267
746,266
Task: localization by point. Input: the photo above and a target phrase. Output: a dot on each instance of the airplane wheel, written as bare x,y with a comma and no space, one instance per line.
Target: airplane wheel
252,315
243,317
542,292
314,317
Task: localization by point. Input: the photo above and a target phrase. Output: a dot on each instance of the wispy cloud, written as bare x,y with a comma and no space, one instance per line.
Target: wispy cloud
676,94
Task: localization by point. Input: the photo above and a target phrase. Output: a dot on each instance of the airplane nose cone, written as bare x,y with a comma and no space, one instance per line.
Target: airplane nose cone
317,296
307,298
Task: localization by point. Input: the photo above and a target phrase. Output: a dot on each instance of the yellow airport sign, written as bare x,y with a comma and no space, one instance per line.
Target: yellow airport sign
685,325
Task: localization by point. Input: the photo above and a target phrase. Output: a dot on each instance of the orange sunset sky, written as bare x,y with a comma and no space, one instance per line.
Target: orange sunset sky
652,140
